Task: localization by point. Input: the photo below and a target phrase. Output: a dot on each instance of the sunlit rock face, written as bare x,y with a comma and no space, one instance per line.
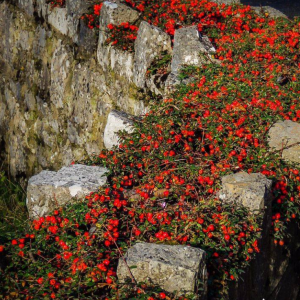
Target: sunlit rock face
55,96
284,137
49,190
178,269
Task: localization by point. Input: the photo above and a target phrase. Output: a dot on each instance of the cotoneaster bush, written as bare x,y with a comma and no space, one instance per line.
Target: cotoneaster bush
57,3
164,178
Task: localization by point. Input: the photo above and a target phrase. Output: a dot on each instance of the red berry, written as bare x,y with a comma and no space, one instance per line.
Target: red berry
227,237
211,228
40,280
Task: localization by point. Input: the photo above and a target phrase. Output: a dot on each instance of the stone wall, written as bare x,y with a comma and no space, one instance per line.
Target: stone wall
54,95
60,80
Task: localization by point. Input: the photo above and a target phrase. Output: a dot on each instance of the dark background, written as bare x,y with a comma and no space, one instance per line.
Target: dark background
289,7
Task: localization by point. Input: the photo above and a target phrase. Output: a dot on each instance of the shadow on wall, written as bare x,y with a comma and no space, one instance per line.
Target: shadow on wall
291,8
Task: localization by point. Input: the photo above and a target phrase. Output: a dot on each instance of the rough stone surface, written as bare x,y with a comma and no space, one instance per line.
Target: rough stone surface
188,45
151,41
271,11
121,62
173,268
251,190
284,134
49,189
54,100
27,6
87,38
79,7
116,122
42,9
63,22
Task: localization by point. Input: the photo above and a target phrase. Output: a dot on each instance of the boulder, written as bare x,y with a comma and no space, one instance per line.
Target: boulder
173,268
251,190
116,122
151,41
284,134
189,44
49,189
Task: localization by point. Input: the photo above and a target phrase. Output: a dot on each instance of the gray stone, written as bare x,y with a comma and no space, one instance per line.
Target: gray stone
284,134
117,13
173,268
251,190
173,81
27,6
58,18
189,48
87,38
109,57
42,9
54,98
151,41
64,23
116,122
79,7
270,11
49,189
60,69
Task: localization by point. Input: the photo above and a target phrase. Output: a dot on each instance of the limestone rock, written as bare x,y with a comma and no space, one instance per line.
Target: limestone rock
173,268
54,100
58,18
117,13
173,81
271,11
116,122
42,9
78,7
49,189
151,41
284,134
60,69
87,38
188,45
251,190
122,61
63,22
27,6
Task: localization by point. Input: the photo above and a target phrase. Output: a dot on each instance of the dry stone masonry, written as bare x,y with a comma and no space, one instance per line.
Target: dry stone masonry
250,190
188,47
284,137
49,190
65,94
151,41
116,121
121,62
58,89
174,268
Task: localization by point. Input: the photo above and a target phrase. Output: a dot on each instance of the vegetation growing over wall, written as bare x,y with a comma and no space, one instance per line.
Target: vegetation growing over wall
164,178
